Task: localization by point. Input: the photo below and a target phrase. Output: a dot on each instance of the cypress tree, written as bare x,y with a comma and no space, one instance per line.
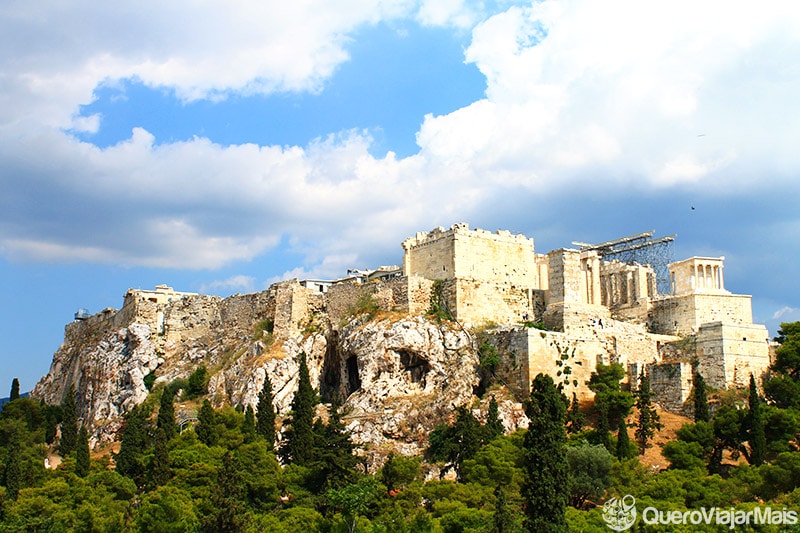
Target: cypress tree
575,418
50,423
648,421
13,477
265,418
228,496
299,446
334,457
758,440
494,426
69,422
249,424
159,472
82,462
546,483
700,399
503,520
133,442
166,413
206,428
14,390
623,440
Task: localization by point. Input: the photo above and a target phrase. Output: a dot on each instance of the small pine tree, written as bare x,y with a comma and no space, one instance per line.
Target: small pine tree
69,422
249,424
82,461
265,417
758,440
299,444
14,390
648,421
701,413
494,426
206,428
545,488
159,472
166,413
197,385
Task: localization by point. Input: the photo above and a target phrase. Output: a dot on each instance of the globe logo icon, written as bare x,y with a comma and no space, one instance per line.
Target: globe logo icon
620,514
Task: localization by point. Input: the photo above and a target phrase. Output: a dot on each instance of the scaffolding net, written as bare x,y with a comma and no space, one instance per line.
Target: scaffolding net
641,248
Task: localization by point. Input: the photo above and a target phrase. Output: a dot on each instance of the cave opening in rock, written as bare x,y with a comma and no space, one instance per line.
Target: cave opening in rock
416,366
353,379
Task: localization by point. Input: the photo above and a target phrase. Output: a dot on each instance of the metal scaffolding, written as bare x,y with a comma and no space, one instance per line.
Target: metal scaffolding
641,248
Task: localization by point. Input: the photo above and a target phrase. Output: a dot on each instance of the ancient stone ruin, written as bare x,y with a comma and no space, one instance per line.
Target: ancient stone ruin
368,340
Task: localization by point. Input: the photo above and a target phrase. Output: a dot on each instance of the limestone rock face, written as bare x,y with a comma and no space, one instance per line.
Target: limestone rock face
398,378
404,378
108,375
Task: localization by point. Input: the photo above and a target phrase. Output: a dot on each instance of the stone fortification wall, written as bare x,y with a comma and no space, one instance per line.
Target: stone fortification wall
479,303
685,314
729,353
410,295
671,385
526,352
495,257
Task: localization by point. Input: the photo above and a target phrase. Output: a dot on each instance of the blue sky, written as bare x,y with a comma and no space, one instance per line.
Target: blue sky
219,149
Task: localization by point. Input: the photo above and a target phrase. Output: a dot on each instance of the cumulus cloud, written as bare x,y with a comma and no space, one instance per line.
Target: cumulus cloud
596,98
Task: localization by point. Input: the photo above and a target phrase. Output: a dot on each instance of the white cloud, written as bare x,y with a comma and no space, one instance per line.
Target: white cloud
785,311
580,96
238,283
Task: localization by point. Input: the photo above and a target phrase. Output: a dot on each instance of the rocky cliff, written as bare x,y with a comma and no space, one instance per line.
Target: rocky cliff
400,375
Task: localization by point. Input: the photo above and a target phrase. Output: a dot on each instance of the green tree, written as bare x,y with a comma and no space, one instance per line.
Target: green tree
13,475
299,437
783,386
623,440
133,442
457,443
503,519
69,422
546,485
494,426
249,424
14,390
159,472
166,413
198,383
265,416
648,421
758,439
610,401
334,460
590,469
167,509
700,399
228,496
206,428
82,460
399,471
575,418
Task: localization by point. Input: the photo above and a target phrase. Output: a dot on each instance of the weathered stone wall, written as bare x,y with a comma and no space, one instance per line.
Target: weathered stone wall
729,353
671,384
685,314
479,302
